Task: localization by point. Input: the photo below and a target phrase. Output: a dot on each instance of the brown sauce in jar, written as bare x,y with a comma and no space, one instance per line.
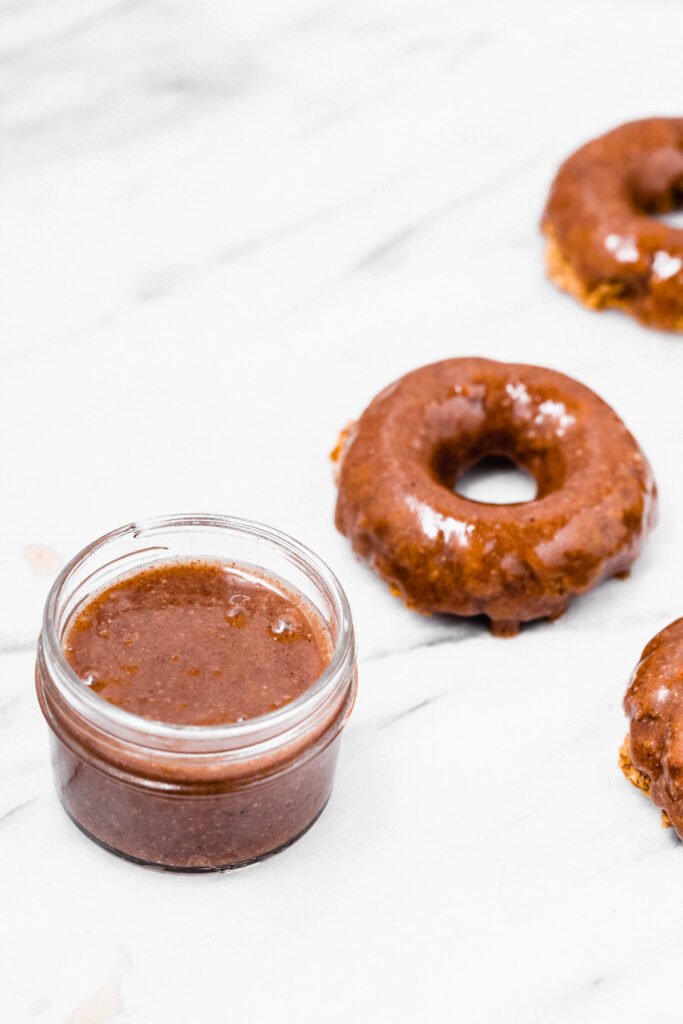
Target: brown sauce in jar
197,643
195,705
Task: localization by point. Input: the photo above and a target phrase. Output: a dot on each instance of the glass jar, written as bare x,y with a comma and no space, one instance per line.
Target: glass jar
194,797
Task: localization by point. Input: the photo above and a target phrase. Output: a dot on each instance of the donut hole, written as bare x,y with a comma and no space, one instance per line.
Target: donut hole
674,218
504,459
656,184
495,470
496,480
665,205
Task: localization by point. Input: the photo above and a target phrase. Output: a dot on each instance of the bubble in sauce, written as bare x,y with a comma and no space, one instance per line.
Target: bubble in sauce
285,629
236,612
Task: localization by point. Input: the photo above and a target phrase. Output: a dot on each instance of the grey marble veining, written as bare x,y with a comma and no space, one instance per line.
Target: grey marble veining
225,227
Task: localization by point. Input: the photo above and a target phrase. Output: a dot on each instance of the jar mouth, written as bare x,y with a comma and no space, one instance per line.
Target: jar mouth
173,736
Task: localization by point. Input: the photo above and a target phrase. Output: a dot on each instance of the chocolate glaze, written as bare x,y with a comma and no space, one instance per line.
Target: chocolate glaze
197,643
441,552
604,245
654,705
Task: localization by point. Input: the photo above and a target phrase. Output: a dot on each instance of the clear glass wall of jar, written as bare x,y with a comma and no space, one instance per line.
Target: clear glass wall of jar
194,797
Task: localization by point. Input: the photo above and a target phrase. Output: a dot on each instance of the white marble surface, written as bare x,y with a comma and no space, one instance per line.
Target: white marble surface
224,227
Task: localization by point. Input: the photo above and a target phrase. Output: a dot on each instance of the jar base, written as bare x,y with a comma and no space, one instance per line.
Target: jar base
203,869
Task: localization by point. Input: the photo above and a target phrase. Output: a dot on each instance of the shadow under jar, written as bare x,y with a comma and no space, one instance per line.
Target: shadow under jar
195,797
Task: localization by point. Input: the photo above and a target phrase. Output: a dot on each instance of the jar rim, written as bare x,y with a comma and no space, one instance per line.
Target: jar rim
173,736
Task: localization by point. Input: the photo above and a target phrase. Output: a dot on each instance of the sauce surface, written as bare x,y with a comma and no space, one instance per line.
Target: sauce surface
197,643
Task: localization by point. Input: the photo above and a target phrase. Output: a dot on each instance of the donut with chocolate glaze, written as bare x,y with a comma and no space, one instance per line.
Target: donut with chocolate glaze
442,553
652,754
604,246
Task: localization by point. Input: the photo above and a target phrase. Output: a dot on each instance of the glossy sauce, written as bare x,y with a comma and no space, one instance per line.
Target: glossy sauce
605,245
440,552
654,705
197,643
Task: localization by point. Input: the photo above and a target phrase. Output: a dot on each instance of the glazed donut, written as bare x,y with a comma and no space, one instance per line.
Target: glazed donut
604,246
398,466
652,754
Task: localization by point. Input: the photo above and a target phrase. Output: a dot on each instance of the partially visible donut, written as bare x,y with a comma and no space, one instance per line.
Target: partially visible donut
652,754
440,552
604,245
